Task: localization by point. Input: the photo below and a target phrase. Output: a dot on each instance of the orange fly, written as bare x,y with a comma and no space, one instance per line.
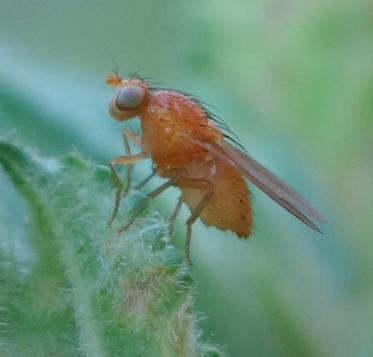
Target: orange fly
192,153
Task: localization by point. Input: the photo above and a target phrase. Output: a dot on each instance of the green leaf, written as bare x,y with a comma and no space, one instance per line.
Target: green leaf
86,290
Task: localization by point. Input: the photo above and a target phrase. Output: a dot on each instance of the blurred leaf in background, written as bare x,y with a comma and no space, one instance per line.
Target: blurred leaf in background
294,79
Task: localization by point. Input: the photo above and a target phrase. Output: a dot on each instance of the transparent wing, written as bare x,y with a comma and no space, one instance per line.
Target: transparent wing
266,181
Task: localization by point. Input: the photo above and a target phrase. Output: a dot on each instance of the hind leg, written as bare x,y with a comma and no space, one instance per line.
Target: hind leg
174,216
207,187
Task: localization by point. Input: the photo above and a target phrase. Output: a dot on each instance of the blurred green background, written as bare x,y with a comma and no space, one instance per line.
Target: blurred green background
293,78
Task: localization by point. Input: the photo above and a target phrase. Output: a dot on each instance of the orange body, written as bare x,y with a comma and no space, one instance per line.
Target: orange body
168,117
190,150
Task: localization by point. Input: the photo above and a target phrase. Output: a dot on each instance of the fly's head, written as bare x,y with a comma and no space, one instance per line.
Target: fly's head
130,98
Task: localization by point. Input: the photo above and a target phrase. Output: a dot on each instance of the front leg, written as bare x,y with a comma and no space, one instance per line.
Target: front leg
123,161
128,136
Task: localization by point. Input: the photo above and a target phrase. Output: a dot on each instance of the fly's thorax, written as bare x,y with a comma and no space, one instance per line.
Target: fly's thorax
172,128
167,146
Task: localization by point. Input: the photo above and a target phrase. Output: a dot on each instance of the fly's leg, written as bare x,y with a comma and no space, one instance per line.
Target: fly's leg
128,135
180,180
131,136
146,180
149,197
129,160
174,216
126,138
207,187
117,182
121,160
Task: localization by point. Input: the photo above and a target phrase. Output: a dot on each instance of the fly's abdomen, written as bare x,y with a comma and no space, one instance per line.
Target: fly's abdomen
230,206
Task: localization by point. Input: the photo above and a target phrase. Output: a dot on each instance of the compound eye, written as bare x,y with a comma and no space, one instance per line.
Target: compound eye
129,97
